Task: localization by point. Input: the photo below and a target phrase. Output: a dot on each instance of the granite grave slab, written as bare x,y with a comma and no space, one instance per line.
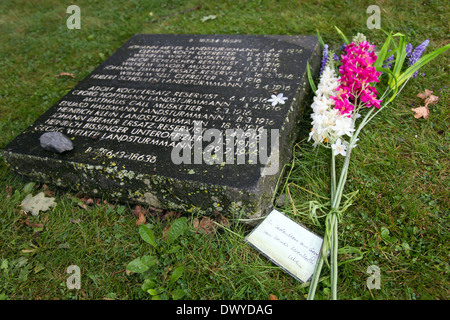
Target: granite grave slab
199,123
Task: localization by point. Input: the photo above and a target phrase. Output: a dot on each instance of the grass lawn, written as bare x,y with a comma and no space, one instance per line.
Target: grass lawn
399,218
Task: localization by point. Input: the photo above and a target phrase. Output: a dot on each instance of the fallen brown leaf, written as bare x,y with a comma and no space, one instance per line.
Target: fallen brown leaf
431,100
424,95
170,214
166,231
195,223
155,209
137,211
205,225
421,112
273,297
49,193
33,225
428,98
141,219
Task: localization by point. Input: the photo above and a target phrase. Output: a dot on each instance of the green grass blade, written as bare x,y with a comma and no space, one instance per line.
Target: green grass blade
383,53
400,56
320,38
342,35
355,253
311,81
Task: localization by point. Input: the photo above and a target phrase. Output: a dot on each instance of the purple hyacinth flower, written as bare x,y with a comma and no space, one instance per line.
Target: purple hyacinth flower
417,53
324,57
409,49
389,65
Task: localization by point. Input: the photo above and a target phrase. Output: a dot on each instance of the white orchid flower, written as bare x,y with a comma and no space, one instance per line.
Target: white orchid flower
276,99
339,148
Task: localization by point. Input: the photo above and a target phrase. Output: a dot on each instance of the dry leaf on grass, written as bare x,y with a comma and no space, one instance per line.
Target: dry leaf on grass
273,297
424,95
205,225
170,215
66,74
139,212
47,191
421,112
429,99
37,203
153,210
141,219
33,225
166,232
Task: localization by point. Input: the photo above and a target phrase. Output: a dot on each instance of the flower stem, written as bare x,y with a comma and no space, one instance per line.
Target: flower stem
315,277
333,174
334,253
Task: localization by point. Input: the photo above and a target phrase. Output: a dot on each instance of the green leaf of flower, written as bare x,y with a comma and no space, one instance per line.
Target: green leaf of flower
342,35
384,233
382,54
152,292
147,235
177,229
310,79
178,294
141,264
173,249
176,274
148,284
28,187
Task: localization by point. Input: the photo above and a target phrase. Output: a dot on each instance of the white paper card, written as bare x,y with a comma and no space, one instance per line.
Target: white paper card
287,244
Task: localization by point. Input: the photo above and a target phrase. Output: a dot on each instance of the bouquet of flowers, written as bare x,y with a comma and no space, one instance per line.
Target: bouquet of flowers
347,97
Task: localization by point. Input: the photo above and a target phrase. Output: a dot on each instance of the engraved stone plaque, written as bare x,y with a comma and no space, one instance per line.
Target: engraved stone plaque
187,122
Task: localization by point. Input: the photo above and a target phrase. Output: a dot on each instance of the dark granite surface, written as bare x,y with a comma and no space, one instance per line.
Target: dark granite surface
121,117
